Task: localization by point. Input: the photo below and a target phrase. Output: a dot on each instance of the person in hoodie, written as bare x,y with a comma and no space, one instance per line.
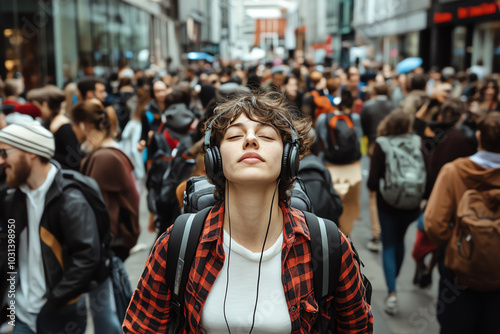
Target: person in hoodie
113,170
442,142
463,308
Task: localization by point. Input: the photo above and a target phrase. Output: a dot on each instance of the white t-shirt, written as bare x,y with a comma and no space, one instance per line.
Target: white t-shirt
31,296
272,311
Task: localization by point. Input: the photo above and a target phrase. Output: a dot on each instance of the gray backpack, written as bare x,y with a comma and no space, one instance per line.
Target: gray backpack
404,183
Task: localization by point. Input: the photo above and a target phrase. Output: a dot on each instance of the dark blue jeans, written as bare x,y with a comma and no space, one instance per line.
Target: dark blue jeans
70,319
393,228
461,310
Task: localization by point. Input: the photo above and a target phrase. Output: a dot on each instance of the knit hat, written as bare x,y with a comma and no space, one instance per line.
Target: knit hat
30,137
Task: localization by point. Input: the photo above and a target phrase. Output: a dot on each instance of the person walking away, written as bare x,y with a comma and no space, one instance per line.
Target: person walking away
443,142
397,175
373,112
462,217
55,258
113,171
340,133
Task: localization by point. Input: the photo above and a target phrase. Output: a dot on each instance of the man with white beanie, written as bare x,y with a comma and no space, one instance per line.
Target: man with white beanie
55,258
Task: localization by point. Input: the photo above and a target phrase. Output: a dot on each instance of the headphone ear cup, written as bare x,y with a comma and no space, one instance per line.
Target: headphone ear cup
213,162
285,164
294,160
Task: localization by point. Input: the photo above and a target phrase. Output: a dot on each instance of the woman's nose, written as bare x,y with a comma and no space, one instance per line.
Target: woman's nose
251,140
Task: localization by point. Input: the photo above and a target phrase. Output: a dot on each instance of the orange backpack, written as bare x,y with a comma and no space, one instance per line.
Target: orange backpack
322,103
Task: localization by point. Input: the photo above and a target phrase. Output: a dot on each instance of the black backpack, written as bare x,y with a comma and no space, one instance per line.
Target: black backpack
199,194
325,201
343,143
186,232
159,161
90,189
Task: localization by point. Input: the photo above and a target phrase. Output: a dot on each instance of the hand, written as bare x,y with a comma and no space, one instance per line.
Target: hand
141,145
422,111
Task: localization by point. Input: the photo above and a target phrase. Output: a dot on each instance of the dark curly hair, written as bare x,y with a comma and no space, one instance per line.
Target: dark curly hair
262,108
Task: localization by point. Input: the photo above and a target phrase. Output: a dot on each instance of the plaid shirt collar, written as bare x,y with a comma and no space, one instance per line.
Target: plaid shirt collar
294,223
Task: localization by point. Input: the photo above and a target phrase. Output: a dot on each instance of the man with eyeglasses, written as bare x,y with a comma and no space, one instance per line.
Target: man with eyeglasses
54,258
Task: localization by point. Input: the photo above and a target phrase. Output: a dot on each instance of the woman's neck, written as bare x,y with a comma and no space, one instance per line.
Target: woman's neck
248,210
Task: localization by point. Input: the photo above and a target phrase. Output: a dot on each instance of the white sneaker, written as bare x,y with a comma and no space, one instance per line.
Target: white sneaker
374,245
391,305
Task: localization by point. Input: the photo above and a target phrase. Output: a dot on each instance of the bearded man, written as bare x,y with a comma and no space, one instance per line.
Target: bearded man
50,260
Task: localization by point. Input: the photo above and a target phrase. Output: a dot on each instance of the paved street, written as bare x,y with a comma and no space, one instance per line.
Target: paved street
417,306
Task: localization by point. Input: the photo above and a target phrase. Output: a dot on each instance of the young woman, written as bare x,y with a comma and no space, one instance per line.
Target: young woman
113,171
250,228
488,96
50,99
393,221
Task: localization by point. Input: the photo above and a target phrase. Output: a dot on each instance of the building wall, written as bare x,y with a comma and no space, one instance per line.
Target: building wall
60,41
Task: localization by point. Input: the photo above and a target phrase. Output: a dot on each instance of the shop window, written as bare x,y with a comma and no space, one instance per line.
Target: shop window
458,41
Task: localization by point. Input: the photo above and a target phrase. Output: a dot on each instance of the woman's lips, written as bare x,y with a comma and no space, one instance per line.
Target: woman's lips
251,157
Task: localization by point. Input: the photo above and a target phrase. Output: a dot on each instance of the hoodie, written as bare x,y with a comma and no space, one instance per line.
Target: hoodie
453,180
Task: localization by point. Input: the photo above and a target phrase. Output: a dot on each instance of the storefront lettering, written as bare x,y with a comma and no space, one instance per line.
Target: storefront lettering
442,17
483,9
475,11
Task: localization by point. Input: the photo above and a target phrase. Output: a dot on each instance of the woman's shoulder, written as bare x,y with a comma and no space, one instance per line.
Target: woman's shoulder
59,122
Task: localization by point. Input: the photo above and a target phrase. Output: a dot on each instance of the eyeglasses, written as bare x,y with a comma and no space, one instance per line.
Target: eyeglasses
3,152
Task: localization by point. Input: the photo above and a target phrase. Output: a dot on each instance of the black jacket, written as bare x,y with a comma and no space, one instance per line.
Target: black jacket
372,113
70,246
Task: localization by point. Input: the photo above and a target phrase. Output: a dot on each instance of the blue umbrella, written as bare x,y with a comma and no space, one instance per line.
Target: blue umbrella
200,55
408,64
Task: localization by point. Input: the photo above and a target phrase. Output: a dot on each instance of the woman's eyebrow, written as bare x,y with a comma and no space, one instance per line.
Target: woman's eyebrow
259,126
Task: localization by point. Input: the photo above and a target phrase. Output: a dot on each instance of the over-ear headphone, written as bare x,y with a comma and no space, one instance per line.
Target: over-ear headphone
289,160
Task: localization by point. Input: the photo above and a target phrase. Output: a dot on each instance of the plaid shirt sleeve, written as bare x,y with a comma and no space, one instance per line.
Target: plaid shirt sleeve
149,308
352,310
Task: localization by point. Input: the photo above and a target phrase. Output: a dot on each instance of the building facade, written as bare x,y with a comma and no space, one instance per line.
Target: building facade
58,41
395,29
465,32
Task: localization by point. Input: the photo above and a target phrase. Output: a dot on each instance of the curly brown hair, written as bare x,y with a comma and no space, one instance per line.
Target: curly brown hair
262,108
396,123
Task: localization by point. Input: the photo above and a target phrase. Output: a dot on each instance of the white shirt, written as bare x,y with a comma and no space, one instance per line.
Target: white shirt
272,311
30,296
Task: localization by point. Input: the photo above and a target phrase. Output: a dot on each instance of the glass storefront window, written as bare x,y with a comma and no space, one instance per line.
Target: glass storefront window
65,37
140,37
458,41
84,38
100,40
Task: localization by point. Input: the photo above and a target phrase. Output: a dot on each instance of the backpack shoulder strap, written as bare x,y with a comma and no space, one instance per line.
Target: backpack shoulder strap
325,236
181,250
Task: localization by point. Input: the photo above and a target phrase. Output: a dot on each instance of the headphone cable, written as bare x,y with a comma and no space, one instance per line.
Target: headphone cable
228,258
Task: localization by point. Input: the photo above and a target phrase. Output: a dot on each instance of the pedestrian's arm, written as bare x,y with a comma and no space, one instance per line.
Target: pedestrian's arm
441,207
149,308
353,314
377,168
81,241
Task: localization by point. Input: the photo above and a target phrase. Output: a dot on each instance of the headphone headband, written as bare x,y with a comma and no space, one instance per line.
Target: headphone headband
289,161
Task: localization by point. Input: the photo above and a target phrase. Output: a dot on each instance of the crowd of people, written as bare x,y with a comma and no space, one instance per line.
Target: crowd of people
430,137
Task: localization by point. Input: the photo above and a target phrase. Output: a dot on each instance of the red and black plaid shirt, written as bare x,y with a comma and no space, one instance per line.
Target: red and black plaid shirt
149,310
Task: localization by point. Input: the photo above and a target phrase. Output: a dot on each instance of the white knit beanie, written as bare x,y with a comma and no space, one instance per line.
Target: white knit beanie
30,137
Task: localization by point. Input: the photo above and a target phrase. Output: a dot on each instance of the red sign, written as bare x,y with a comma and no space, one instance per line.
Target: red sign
487,8
442,17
